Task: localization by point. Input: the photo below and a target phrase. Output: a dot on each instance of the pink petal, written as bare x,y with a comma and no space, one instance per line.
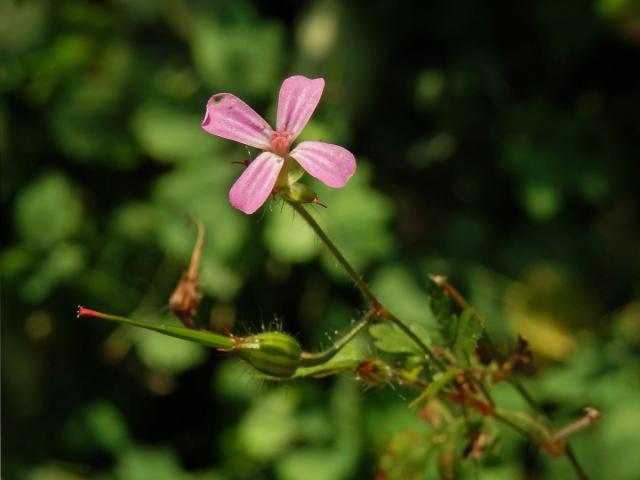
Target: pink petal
298,99
255,184
229,117
331,164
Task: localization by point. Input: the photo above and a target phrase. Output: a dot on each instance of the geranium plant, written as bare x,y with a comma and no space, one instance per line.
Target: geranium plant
452,369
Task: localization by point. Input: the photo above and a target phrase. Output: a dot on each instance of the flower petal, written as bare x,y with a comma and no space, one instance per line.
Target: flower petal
298,99
229,117
255,184
331,164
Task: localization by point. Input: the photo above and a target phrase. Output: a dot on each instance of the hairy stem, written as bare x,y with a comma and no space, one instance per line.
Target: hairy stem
312,359
362,286
377,306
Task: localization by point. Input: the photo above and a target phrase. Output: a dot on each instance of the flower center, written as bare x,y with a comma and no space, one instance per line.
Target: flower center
280,143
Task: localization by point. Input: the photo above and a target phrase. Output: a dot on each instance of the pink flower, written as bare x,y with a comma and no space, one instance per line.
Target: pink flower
229,117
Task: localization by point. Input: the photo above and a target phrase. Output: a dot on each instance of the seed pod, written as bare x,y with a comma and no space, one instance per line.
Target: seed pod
274,353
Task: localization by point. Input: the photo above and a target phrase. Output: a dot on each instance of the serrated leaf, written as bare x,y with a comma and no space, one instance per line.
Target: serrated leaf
441,309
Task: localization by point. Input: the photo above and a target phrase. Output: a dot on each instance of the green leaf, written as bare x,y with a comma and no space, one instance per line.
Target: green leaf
234,382
391,339
48,210
402,294
289,238
347,359
270,425
441,309
467,333
144,463
53,472
407,456
169,135
459,332
316,464
440,379
167,354
199,187
65,261
98,426
225,55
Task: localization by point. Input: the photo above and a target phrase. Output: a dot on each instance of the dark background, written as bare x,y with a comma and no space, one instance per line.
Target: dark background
497,143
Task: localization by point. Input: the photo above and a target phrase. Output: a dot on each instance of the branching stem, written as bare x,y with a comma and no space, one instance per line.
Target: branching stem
462,303
312,359
377,306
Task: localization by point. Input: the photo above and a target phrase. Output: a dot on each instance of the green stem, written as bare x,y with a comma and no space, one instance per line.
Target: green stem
208,339
524,393
499,416
362,286
378,308
313,359
577,468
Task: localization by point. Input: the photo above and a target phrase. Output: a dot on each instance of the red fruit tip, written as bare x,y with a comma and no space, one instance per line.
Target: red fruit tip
85,312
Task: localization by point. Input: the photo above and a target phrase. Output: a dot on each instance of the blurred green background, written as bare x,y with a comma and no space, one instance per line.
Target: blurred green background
497,143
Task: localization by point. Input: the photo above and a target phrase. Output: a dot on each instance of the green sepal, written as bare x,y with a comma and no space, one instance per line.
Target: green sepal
298,193
295,171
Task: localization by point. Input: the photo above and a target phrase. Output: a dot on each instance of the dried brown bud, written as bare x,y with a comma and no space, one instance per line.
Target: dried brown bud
185,298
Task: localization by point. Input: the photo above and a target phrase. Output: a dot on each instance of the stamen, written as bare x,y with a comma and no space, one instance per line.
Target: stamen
280,143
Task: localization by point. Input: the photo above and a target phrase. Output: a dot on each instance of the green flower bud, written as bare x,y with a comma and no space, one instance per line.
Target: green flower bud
274,353
299,193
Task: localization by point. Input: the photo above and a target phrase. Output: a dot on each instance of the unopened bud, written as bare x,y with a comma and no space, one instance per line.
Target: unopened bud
299,193
274,353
